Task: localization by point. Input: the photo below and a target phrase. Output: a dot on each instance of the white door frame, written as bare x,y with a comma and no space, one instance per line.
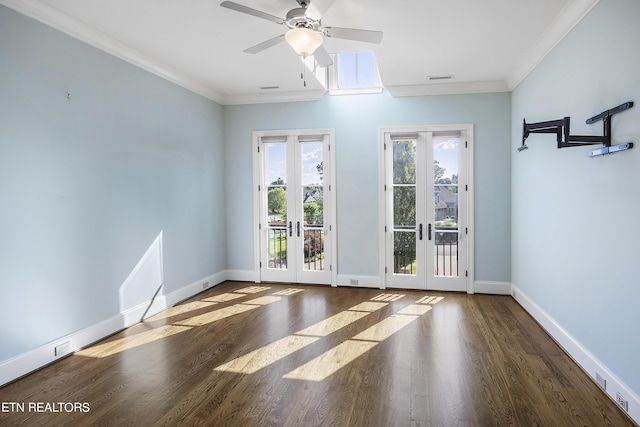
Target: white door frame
466,182
329,199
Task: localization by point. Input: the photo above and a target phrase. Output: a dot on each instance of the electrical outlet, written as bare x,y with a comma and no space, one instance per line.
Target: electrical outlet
622,401
205,285
601,381
63,348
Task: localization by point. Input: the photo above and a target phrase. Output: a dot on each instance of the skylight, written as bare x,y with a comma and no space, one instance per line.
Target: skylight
355,72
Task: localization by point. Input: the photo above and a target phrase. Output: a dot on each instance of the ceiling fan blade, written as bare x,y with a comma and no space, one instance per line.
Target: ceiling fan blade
317,8
322,57
249,11
265,44
353,34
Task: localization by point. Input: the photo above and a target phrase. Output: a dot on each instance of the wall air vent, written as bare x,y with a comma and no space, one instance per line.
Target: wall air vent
269,87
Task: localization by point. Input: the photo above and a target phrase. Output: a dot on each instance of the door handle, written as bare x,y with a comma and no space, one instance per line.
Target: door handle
298,228
429,231
290,229
420,232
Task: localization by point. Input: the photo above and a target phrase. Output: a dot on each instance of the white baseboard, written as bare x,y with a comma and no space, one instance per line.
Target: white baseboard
34,359
481,287
195,288
587,361
358,281
494,288
29,361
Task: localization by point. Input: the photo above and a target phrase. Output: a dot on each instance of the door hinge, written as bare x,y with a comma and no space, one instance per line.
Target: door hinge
466,273
330,267
385,187
385,146
329,187
260,264
259,187
466,230
259,226
258,148
465,144
385,228
466,187
329,147
385,270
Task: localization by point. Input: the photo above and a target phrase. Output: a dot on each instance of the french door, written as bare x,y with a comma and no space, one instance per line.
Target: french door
426,208
295,207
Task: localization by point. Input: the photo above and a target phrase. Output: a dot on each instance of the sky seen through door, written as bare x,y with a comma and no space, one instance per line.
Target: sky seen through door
277,165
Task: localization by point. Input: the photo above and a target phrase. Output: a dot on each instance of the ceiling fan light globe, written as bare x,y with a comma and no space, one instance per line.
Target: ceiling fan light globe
304,40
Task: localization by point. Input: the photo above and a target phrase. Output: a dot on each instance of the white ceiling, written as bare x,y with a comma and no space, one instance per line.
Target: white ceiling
487,45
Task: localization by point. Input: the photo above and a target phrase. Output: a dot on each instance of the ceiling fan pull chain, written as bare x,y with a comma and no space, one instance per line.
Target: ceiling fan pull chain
304,81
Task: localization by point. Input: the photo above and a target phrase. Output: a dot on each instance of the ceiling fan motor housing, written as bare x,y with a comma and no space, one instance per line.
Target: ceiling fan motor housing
296,18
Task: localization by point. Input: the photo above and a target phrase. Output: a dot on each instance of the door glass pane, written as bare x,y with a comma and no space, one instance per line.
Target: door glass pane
404,252
312,198
404,162
276,175
404,207
445,192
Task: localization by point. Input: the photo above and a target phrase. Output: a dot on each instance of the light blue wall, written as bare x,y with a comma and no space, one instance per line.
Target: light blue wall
575,219
88,183
356,120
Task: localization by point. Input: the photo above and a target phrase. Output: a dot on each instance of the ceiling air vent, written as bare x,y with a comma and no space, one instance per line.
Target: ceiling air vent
432,78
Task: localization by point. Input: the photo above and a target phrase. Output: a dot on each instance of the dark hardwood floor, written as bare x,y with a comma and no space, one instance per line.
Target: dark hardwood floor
244,354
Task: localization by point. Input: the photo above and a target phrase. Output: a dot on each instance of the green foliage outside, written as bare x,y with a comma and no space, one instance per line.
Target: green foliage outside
277,247
404,204
277,201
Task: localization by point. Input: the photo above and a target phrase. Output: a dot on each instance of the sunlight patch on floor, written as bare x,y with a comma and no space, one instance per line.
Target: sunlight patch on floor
289,291
385,328
129,342
332,324
213,316
156,333
415,309
271,353
265,300
252,289
315,370
264,356
368,306
387,297
331,361
429,300
341,355
223,297
180,309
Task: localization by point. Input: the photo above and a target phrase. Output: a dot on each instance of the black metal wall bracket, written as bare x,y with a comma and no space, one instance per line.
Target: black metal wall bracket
561,128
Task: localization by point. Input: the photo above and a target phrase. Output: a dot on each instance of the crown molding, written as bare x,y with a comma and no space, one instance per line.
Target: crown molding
269,98
570,16
56,19
447,88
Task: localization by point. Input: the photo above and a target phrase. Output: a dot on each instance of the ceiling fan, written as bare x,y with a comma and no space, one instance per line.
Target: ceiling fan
305,33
